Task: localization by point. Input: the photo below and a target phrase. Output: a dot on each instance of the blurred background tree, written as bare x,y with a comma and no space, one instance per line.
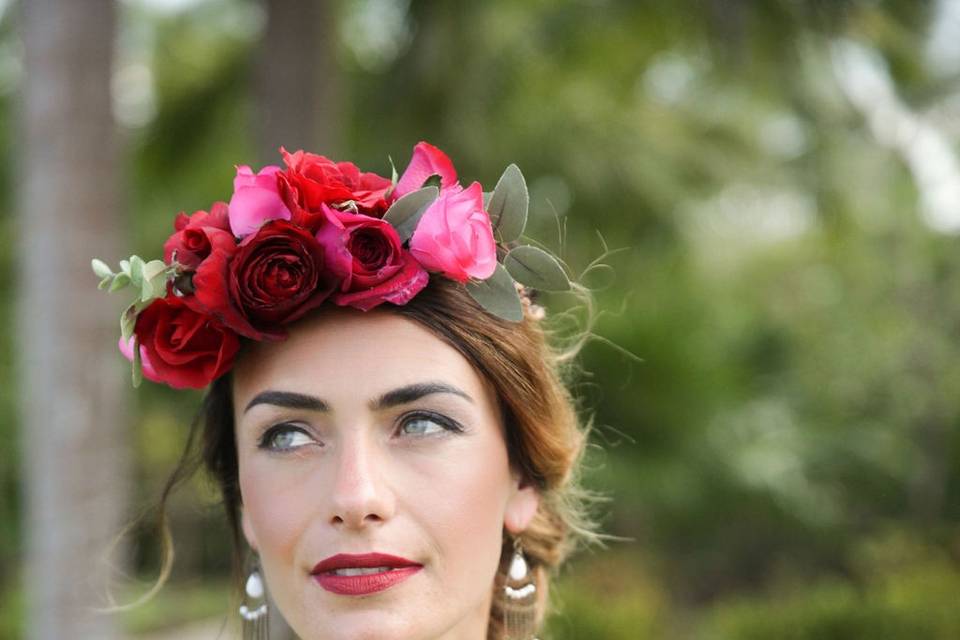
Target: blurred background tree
783,175
76,454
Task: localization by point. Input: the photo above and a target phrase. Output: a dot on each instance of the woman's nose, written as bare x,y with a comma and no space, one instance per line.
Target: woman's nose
360,494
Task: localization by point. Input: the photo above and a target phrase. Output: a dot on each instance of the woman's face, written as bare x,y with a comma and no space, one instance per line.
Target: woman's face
360,434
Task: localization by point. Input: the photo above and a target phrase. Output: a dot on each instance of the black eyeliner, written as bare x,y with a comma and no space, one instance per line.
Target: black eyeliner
448,424
273,430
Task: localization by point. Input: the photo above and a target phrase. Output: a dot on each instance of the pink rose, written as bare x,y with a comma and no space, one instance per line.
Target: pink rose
126,348
455,238
256,199
427,160
365,253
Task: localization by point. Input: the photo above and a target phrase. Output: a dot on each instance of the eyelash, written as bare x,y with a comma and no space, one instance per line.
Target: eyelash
265,440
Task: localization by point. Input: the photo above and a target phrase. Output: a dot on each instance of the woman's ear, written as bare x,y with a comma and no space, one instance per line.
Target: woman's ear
248,530
521,507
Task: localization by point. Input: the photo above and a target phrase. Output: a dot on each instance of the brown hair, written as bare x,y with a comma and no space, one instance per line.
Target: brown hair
545,439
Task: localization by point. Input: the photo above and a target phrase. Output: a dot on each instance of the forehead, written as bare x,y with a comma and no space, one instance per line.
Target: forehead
355,352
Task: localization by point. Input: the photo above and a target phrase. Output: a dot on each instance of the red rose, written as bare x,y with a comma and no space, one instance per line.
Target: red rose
207,291
365,253
398,290
311,180
195,235
276,276
181,347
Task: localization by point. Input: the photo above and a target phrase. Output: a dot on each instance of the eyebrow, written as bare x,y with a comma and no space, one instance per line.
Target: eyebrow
395,397
289,399
411,392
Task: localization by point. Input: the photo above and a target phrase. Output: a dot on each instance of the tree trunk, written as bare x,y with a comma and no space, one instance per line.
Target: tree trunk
297,79
72,386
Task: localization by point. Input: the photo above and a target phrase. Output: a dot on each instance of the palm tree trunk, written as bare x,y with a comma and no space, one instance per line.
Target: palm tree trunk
72,388
297,87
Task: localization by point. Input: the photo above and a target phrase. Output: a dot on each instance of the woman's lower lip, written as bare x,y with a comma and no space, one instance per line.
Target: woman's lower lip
362,585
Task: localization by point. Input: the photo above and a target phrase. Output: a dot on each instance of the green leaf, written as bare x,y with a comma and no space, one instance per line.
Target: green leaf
136,270
150,290
486,199
103,283
406,212
125,267
153,268
100,268
147,291
154,280
137,373
128,320
498,295
509,204
120,280
536,268
394,176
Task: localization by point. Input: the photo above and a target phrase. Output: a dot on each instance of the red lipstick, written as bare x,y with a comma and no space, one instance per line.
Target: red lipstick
351,575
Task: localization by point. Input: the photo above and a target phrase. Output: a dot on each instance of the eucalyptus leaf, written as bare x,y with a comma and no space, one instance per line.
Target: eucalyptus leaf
147,291
125,267
155,288
100,268
120,280
128,320
498,295
136,270
486,199
536,268
154,280
137,373
153,268
405,213
509,204
106,281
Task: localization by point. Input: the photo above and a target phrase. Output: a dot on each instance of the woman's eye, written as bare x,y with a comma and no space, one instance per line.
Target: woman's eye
423,425
284,437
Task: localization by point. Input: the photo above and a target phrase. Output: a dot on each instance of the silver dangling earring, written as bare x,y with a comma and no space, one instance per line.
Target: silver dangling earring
254,612
520,607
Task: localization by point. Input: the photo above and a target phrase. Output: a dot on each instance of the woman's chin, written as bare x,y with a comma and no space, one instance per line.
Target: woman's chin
359,624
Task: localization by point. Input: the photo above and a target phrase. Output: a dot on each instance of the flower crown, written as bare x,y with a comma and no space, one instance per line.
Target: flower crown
293,238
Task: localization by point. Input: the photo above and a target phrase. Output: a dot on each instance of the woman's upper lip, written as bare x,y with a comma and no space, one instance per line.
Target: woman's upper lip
362,560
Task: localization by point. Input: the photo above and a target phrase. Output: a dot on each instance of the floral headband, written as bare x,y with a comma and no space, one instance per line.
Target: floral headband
293,238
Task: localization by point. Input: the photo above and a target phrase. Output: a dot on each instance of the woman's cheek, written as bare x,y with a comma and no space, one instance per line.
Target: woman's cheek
462,510
274,505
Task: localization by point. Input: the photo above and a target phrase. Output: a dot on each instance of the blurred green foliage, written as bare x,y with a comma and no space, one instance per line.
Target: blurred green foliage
609,596
187,603
903,590
795,305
